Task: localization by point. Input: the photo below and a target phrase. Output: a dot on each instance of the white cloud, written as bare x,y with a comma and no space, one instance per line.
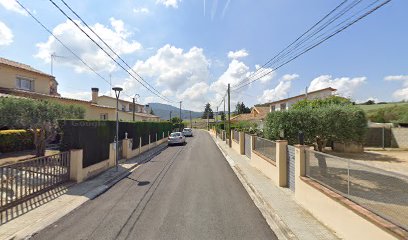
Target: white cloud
345,86
141,10
195,96
263,71
400,94
169,3
115,36
173,68
77,95
13,6
280,91
237,54
6,35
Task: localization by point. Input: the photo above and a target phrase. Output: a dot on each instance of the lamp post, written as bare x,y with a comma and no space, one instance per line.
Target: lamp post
117,93
134,106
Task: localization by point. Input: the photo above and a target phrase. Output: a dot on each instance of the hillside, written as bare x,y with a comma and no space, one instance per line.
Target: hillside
385,113
163,111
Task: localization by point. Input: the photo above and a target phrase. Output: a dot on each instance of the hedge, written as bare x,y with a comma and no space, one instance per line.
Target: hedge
94,137
329,123
16,140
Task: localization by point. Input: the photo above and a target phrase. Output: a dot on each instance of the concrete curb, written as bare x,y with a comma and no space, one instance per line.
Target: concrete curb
277,225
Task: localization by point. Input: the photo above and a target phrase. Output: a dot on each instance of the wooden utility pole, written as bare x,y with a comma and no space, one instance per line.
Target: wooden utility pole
229,116
181,120
191,121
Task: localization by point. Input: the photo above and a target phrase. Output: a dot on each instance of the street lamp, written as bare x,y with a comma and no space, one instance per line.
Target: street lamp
134,106
117,93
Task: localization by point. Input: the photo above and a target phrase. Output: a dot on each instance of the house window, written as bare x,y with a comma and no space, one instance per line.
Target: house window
123,107
25,84
104,116
273,108
283,106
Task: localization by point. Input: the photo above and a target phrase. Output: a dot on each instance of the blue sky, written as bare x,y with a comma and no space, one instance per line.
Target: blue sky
189,50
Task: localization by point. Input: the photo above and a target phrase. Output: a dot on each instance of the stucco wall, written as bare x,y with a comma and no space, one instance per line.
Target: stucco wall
399,137
8,77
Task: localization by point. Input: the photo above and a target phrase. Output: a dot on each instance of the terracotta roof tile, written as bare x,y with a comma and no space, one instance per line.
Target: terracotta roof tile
22,66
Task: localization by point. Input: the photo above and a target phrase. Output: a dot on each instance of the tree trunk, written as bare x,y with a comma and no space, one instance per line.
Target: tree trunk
39,141
320,158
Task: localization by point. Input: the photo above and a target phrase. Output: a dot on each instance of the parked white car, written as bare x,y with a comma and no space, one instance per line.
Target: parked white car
176,138
188,132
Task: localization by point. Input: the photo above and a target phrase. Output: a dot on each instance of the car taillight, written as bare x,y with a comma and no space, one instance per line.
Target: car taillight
180,137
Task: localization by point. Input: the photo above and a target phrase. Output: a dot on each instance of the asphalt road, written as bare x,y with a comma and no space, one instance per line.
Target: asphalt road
185,192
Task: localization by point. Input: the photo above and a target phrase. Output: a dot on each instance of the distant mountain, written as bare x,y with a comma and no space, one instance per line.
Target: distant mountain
163,111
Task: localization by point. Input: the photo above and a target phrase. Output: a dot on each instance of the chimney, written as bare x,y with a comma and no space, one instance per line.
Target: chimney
95,92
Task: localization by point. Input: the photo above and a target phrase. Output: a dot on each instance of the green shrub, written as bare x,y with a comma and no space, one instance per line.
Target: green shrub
333,122
16,140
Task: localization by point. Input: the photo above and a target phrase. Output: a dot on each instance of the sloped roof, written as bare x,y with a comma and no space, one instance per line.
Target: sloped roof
301,95
23,66
261,114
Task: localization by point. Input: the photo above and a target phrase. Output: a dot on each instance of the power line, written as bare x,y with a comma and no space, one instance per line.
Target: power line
65,46
310,47
117,55
113,59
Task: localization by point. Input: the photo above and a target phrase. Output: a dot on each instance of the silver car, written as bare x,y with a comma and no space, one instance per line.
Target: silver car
188,132
176,138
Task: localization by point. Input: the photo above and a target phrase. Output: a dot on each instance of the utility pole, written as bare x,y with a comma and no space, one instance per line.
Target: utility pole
229,115
170,116
224,119
208,121
180,117
216,116
191,121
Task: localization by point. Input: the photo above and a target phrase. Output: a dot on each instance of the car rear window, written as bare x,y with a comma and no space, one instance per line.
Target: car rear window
175,135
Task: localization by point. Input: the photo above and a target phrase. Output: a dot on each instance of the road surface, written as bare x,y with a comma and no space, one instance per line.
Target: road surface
185,192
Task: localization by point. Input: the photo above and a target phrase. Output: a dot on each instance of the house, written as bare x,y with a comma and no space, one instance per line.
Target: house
257,115
21,80
285,104
124,105
16,75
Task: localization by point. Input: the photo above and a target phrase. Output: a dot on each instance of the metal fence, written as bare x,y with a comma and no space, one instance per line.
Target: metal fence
236,135
247,145
382,192
265,147
24,180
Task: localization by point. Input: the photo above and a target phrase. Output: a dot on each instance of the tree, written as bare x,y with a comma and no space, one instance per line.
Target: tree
208,112
177,123
241,108
38,116
316,103
222,116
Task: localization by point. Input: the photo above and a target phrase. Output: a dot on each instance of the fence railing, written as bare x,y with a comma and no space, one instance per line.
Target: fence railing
236,135
382,192
24,180
265,147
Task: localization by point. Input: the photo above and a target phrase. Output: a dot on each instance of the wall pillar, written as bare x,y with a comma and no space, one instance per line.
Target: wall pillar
281,162
253,142
242,143
149,142
75,165
140,145
127,147
300,162
112,155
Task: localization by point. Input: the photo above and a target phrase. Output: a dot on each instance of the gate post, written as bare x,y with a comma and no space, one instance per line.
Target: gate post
75,165
281,162
241,143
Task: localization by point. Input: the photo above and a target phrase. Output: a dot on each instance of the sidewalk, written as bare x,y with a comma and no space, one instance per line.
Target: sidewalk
286,218
45,211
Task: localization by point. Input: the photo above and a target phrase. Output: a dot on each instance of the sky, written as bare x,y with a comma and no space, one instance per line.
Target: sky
189,50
